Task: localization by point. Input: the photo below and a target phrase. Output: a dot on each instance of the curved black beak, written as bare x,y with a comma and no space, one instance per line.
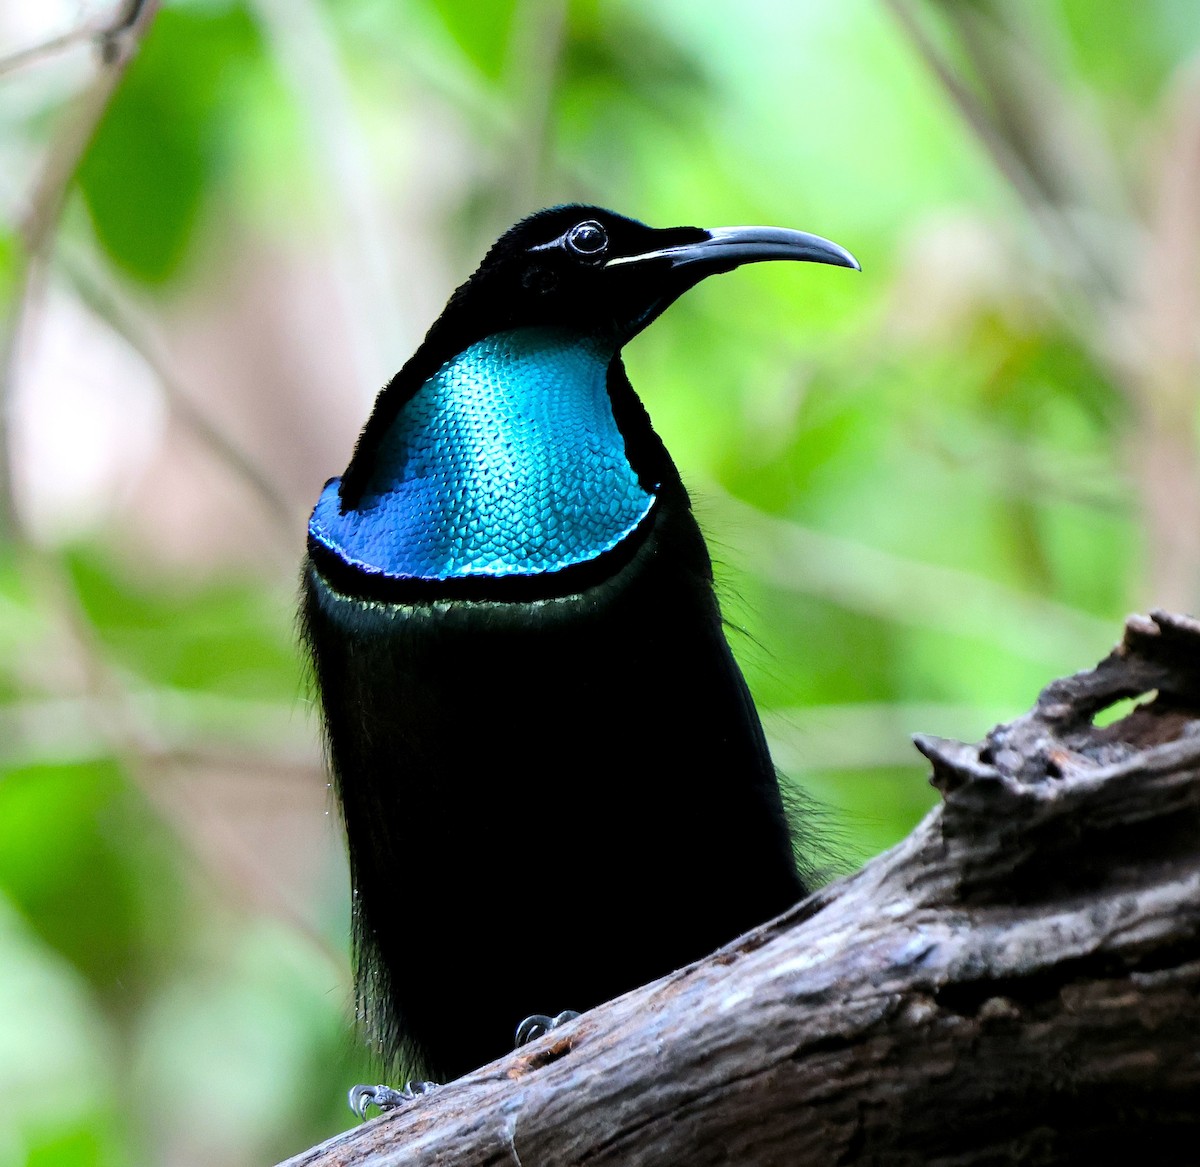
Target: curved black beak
730,247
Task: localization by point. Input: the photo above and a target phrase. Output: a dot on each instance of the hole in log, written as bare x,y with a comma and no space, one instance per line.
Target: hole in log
1156,718
1122,708
549,1055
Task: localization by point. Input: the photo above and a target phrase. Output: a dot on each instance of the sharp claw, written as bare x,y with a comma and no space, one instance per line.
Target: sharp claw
361,1097
384,1098
534,1027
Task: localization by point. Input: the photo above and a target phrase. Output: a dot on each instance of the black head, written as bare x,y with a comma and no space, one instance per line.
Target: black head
586,267
580,267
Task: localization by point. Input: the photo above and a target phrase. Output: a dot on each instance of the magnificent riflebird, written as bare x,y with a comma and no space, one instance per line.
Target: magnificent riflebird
554,782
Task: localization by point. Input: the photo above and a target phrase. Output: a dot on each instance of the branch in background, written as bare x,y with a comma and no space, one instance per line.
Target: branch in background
103,298
190,727
1054,156
1163,371
535,49
118,44
107,35
117,41
115,718
860,735
223,856
908,592
296,32
1018,981
969,107
1009,102
35,54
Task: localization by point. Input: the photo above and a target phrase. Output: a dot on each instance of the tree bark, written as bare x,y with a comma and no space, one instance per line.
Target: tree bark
1017,982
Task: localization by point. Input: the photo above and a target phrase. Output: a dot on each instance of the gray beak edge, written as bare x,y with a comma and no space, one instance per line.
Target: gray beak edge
730,247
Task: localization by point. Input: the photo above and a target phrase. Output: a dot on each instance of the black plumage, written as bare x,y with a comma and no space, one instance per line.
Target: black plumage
554,782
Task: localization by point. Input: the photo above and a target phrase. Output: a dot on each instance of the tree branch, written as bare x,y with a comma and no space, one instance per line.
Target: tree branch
1122,282
117,42
106,35
102,296
1018,981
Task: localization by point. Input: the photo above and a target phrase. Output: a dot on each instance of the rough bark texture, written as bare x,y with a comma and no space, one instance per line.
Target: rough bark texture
1016,982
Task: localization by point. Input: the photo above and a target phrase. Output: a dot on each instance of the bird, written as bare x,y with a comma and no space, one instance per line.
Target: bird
554,783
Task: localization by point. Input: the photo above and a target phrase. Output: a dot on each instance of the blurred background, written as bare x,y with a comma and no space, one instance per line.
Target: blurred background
930,488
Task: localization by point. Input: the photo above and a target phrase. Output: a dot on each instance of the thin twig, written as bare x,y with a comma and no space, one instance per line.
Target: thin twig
103,33
1037,189
134,742
969,107
535,51
1137,324
308,58
34,54
119,44
1163,373
905,591
106,302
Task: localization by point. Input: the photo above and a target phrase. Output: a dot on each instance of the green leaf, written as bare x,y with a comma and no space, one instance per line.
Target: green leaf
154,159
228,639
79,856
482,30
89,1144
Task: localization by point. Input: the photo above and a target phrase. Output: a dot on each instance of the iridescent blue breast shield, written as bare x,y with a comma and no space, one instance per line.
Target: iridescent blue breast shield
507,461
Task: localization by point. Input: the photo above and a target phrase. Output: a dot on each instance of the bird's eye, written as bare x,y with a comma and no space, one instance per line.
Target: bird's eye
587,238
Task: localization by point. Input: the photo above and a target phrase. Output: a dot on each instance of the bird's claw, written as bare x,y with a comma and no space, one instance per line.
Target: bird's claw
385,1098
534,1027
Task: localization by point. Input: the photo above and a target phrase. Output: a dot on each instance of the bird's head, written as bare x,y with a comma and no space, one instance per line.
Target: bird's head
511,444
586,267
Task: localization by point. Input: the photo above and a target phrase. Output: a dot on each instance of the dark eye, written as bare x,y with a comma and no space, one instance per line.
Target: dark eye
587,238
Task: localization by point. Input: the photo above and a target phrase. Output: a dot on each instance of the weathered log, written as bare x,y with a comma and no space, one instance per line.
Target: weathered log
1018,981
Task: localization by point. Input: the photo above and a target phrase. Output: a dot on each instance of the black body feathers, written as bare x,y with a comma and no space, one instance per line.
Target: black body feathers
554,782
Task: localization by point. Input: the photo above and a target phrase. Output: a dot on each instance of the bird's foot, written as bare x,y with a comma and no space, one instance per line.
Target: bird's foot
385,1098
534,1027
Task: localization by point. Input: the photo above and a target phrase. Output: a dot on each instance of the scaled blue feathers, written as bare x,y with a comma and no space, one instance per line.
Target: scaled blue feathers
507,461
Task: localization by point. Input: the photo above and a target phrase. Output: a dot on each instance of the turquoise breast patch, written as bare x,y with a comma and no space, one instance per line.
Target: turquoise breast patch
507,461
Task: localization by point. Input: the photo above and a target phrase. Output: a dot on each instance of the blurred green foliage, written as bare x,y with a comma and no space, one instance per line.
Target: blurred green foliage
162,149
920,483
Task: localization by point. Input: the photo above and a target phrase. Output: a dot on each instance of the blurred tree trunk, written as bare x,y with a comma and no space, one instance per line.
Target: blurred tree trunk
1018,981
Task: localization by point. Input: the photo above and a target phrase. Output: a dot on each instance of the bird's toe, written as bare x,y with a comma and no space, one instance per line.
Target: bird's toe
385,1098
539,1024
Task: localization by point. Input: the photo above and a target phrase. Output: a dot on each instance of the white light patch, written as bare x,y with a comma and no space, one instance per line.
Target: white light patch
87,418
733,1000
